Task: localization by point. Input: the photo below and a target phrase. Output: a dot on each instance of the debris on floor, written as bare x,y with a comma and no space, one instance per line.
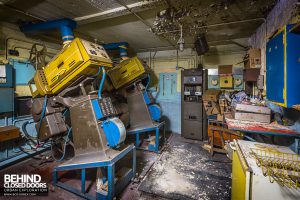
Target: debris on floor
186,171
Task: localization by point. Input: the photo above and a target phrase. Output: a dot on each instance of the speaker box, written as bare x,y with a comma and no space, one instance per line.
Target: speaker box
201,45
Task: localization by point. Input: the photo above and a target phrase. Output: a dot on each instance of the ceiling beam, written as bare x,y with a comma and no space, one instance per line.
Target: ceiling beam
119,11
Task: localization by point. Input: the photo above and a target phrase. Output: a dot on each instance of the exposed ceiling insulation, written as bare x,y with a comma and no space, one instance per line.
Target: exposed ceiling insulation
147,24
199,16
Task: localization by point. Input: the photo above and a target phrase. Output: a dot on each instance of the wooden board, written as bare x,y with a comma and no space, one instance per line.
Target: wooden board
217,138
9,133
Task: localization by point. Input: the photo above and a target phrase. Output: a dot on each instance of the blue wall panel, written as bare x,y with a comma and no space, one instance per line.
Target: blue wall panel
6,100
293,69
275,68
170,101
24,71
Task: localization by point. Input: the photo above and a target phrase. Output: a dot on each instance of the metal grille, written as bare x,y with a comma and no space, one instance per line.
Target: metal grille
284,168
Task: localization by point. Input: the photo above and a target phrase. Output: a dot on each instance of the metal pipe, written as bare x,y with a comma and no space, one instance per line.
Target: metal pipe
122,46
141,19
153,58
29,49
190,44
21,119
102,82
134,13
65,26
20,40
218,24
150,59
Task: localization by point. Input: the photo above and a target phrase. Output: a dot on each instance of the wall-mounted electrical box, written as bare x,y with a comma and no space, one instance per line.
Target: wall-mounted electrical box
24,71
167,85
6,89
6,76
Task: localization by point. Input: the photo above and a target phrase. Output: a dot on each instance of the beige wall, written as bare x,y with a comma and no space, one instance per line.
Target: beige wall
165,61
18,39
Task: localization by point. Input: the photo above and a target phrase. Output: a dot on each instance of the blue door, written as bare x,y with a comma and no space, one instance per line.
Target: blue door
275,68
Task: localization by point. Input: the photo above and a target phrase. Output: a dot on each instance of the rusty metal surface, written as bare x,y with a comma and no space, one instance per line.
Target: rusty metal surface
138,112
87,135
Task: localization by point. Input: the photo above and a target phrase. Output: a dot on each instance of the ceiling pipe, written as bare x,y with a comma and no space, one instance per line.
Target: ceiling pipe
216,25
65,26
192,44
140,18
122,46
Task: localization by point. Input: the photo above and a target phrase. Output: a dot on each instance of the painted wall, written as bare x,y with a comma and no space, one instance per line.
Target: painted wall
166,62
12,38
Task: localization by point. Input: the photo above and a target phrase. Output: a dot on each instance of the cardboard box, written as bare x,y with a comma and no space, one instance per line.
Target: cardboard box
225,69
251,74
253,117
211,95
254,59
220,117
226,82
223,102
211,107
252,108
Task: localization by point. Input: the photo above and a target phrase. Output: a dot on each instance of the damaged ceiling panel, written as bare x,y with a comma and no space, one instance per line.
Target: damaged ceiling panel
198,16
149,23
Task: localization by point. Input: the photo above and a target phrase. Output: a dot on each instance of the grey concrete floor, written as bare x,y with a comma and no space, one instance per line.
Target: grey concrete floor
145,160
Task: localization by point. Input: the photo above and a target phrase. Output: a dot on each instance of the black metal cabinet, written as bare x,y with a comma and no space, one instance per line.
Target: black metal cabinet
193,118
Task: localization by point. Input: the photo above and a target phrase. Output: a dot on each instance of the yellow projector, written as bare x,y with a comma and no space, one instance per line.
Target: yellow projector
78,58
126,72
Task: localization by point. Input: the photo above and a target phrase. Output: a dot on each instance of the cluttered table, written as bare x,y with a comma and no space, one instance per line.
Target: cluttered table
261,128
